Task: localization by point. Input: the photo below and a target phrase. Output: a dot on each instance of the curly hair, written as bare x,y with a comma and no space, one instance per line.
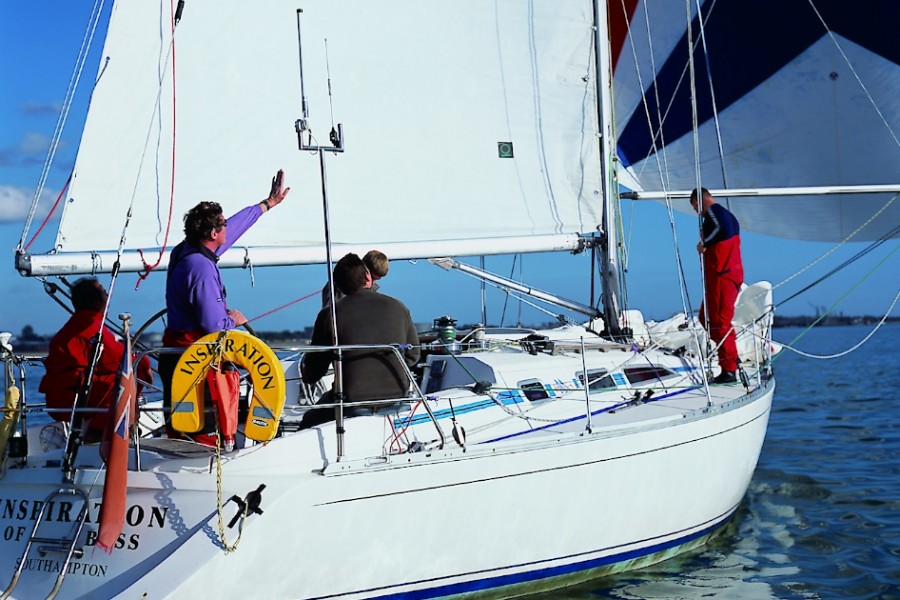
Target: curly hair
201,220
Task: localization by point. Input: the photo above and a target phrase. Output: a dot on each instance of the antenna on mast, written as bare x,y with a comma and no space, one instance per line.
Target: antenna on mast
301,125
333,136
336,137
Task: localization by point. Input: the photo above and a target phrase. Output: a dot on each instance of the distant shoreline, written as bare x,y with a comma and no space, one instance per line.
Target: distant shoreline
39,343
828,321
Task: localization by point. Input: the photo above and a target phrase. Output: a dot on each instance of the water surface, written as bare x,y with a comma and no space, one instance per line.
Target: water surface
822,516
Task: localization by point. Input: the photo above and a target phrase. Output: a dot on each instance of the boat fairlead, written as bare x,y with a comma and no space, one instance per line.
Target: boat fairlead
249,353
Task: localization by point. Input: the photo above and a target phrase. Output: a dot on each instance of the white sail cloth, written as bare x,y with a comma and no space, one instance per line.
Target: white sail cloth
427,92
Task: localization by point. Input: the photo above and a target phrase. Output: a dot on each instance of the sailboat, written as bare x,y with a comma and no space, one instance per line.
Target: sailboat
518,464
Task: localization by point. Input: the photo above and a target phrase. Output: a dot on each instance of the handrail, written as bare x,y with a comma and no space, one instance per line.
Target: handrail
395,348
416,393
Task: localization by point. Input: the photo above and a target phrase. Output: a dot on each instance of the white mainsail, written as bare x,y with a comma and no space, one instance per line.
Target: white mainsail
805,95
427,92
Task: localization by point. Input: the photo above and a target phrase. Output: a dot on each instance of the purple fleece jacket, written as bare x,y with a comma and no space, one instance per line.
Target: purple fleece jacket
195,295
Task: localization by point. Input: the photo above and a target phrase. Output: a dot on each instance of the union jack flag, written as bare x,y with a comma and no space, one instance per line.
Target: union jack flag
114,451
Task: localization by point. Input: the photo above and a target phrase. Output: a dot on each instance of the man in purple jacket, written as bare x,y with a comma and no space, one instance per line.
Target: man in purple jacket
195,295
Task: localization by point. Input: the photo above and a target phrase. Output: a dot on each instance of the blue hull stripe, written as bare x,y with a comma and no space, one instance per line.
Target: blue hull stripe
594,413
505,398
489,583
508,397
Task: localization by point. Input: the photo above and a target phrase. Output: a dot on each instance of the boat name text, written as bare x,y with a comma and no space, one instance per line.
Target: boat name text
53,566
197,356
12,509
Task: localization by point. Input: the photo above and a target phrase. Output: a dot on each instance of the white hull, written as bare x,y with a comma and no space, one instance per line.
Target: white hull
528,505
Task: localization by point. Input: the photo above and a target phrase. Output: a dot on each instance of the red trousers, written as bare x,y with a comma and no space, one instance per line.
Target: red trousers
721,294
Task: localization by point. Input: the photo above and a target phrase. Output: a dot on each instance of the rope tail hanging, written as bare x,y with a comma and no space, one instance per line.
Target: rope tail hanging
148,268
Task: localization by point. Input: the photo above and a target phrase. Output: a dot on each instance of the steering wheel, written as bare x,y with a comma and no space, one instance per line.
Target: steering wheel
159,314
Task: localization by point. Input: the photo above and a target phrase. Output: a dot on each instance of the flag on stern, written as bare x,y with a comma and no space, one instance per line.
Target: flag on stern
114,451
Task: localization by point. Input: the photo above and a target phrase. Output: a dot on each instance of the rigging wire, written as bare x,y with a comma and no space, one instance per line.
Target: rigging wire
62,193
695,120
674,94
833,249
512,272
661,165
712,95
524,300
80,61
283,306
846,263
839,244
833,306
71,449
521,278
853,348
696,137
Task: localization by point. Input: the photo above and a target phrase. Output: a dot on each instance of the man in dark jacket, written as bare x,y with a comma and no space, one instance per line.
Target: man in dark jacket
723,273
363,317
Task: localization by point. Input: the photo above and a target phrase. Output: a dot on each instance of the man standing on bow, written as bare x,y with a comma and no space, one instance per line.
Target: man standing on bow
720,247
195,295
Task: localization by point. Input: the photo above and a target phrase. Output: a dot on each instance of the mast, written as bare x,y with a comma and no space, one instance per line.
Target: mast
609,271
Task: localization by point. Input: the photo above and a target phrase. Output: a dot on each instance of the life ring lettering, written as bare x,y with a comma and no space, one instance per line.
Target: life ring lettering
249,353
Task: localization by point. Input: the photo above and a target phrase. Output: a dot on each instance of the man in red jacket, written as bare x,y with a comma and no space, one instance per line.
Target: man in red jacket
68,361
723,273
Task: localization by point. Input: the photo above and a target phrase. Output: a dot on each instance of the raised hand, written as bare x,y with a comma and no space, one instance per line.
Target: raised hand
277,193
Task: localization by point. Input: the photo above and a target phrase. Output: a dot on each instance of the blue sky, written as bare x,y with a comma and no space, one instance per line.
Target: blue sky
39,42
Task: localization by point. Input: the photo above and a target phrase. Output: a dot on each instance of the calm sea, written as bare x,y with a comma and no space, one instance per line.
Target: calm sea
822,516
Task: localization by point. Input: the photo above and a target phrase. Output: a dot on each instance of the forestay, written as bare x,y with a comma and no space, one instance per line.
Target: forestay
427,92
807,94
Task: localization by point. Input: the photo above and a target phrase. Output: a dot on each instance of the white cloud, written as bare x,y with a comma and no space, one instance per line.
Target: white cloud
34,143
15,202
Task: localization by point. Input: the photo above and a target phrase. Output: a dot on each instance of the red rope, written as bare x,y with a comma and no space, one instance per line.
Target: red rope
292,302
402,432
62,193
147,267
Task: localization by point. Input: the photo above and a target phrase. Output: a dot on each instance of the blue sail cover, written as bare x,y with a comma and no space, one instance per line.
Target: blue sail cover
807,94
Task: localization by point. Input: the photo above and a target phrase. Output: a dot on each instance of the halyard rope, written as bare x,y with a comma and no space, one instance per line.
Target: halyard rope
86,41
